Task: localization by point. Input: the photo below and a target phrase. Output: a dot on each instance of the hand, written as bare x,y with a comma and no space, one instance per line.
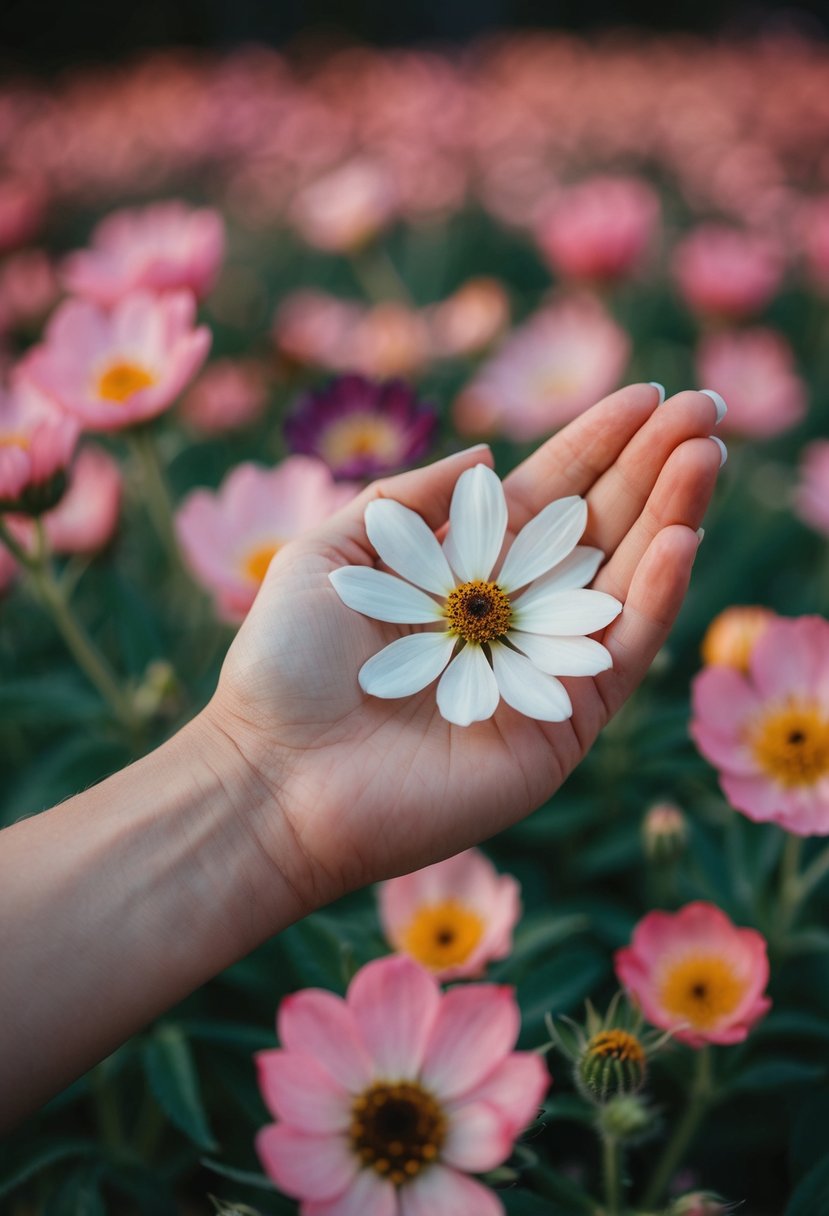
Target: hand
369,788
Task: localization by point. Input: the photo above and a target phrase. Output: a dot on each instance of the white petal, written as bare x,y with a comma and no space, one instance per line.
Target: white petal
544,542
550,610
576,570
527,689
467,691
560,656
383,597
407,665
477,523
407,544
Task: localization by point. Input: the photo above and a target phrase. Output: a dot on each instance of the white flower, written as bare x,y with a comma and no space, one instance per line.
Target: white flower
508,637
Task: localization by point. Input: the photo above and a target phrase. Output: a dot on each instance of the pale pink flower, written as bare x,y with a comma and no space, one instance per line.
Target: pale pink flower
28,288
546,372
470,319
314,328
726,273
695,973
814,228
85,519
754,370
388,1099
599,231
163,247
111,370
36,444
453,917
767,731
811,501
390,339
229,536
346,208
22,209
229,394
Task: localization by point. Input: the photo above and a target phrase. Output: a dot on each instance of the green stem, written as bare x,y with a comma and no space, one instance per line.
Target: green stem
378,276
790,889
611,1168
813,874
15,548
107,1110
157,493
552,1185
699,1100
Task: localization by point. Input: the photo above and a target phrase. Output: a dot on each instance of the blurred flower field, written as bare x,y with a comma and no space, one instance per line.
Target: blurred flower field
232,290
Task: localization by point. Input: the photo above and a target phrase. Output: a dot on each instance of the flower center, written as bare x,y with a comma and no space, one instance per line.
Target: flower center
122,379
360,435
701,990
478,611
12,439
255,565
616,1045
397,1129
443,934
792,744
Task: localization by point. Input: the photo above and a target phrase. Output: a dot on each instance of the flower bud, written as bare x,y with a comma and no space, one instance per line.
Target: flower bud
664,832
733,634
612,1062
698,1203
625,1117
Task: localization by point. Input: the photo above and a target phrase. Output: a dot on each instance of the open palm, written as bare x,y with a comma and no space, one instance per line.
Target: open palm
367,788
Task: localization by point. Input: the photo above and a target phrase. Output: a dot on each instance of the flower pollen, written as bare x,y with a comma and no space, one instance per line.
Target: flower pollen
443,934
255,565
123,379
791,744
701,990
478,611
397,1129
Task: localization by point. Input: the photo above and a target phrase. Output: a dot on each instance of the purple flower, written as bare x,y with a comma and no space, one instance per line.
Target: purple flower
362,428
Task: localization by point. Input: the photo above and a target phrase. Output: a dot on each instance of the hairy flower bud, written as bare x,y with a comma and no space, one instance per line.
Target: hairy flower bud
625,1117
698,1203
664,832
612,1062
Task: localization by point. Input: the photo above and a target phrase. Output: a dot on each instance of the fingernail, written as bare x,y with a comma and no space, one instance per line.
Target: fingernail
722,447
722,408
476,447
700,535
660,388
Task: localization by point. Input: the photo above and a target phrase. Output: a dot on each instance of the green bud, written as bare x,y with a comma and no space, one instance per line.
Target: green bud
664,833
625,1117
611,1063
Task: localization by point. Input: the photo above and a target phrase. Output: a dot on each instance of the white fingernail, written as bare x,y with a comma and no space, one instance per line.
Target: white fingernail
722,447
700,535
660,388
722,408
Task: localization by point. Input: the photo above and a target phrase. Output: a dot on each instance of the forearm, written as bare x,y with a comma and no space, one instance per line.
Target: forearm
120,902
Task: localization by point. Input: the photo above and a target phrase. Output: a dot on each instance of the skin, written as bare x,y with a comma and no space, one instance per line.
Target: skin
292,787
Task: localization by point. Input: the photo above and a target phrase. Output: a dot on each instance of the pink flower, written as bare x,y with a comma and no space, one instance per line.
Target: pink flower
767,732
811,500
85,519
346,208
113,369
599,230
695,973
230,535
453,917
314,328
36,445
390,339
229,394
814,227
470,319
754,370
22,210
559,362
164,247
28,289
726,272
388,1099
9,569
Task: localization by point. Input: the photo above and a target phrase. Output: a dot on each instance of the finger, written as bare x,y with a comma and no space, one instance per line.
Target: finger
618,498
681,496
572,460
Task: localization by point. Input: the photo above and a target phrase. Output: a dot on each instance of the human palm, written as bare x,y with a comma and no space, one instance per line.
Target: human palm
367,787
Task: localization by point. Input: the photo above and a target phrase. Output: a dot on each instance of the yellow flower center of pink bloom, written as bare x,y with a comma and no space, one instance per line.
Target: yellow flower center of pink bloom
701,990
360,435
255,565
443,934
122,379
731,636
478,611
397,1129
12,439
791,744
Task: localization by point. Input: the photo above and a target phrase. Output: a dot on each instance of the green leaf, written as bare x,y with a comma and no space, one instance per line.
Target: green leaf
536,937
244,1177
770,1075
77,1195
172,1077
812,1195
40,1157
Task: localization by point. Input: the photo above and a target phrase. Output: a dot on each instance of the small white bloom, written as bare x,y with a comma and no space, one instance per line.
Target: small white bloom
507,637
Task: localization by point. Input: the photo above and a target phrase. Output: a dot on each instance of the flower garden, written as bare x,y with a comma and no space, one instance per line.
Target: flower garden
235,290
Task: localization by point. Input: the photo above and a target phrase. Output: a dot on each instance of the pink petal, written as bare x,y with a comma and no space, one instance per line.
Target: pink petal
474,1030
368,1195
444,1192
297,1090
306,1167
321,1024
516,1088
394,1002
791,657
479,1138
727,753
756,796
723,700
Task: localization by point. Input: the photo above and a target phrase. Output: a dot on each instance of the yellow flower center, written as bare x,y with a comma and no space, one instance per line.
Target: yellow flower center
616,1045
792,744
478,611
255,565
360,435
122,379
701,990
443,934
14,440
397,1129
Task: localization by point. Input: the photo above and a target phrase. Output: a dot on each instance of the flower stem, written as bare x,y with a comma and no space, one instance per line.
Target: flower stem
813,874
378,276
611,1169
790,889
699,1100
158,500
15,548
